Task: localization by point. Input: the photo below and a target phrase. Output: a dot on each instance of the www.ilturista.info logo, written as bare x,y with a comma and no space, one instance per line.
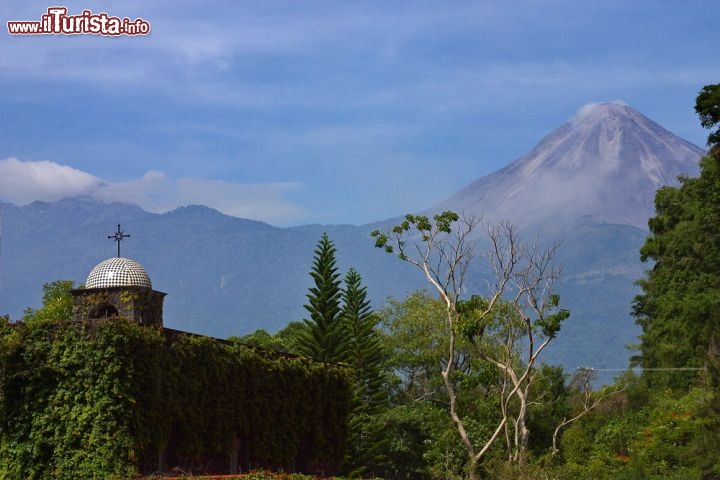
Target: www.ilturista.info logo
57,22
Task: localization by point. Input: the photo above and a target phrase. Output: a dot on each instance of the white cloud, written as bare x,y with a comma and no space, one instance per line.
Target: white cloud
588,108
22,183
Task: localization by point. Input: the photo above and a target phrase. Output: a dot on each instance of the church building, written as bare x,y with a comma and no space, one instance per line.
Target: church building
192,403
119,287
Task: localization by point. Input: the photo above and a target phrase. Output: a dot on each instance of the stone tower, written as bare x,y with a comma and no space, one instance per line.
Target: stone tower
119,287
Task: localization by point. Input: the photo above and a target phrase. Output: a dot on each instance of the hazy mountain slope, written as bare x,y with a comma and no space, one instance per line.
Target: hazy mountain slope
600,266
223,275
606,162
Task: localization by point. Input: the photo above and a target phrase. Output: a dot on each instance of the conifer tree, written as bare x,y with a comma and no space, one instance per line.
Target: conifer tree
365,355
323,339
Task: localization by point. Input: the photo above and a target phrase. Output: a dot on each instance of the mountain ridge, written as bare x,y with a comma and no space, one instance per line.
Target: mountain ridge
229,276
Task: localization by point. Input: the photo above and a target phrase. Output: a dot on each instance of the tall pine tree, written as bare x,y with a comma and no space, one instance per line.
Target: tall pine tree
342,328
324,339
365,352
367,442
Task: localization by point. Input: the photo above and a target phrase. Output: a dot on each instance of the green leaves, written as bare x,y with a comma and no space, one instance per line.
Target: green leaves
471,321
73,417
445,220
323,339
93,401
551,319
679,308
366,356
443,223
550,324
707,106
57,303
381,241
667,436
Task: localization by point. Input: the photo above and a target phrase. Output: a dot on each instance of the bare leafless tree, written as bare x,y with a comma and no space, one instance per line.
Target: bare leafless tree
508,327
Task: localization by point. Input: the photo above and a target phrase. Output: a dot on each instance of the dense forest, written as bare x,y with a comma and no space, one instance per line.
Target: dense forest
451,383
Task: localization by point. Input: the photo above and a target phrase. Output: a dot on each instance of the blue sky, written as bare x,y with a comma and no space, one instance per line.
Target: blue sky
328,111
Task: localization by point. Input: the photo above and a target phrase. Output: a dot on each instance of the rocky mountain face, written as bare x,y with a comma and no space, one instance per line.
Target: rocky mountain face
589,184
606,163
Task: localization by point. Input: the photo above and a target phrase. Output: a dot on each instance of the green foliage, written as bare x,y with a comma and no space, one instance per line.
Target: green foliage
99,400
291,335
287,340
667,424
342,328
550,323
416,342
549,408
679,308
707,106
421,223
263,340
367,440
482,335
68,402
57,303
323,340
416,338
365,352
671,437
423,443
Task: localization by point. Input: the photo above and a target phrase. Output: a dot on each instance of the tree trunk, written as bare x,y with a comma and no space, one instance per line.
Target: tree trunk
522,434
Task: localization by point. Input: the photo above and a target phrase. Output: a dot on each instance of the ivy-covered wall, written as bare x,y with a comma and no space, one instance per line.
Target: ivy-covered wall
141,304
109,399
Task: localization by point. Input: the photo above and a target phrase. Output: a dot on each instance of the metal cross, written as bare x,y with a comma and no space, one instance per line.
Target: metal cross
119,236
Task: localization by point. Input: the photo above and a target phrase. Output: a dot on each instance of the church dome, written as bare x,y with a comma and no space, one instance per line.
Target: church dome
118,272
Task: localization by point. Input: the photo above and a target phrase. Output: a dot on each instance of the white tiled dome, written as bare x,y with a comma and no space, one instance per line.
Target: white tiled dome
118,272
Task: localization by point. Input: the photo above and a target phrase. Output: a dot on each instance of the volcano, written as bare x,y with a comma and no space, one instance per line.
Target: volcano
606,164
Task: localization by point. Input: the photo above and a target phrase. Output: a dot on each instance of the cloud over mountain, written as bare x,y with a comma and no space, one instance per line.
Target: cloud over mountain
23,182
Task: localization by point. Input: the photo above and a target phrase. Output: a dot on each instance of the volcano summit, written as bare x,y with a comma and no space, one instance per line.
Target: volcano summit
606,163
